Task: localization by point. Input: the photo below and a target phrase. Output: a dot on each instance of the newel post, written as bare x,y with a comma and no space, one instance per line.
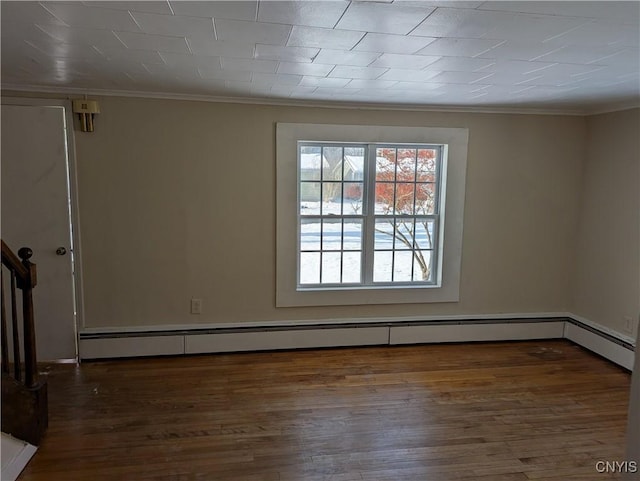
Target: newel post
30,362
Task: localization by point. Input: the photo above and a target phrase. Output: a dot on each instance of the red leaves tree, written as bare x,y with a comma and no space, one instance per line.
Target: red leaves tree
405,186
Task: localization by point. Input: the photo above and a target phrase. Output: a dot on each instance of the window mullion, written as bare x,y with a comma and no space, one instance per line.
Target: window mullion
435,246
369,215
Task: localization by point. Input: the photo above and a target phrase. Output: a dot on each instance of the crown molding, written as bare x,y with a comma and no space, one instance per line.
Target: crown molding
294,103
615,107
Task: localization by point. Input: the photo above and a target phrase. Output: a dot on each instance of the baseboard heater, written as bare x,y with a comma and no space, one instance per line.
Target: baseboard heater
107,345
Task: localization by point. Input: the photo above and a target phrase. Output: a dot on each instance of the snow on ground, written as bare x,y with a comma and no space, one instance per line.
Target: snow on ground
341,245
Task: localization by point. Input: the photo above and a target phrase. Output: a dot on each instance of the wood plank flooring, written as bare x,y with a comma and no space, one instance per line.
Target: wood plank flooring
543,411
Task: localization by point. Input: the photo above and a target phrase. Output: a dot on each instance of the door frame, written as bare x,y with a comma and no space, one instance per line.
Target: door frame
72,182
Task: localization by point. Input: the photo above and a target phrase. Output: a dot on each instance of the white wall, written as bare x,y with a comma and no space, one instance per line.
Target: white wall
177,200
606,281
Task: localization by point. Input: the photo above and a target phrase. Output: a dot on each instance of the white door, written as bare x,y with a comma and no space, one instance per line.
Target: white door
35,214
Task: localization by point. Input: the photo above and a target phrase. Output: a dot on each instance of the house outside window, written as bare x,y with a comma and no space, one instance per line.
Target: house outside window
369,214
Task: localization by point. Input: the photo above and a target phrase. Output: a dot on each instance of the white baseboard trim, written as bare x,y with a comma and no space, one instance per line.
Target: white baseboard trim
603,329
603,346
16,454
476,332
286,339
135,342
138,346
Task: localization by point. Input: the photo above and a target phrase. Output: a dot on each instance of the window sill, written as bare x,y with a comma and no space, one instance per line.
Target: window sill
367,288
369,295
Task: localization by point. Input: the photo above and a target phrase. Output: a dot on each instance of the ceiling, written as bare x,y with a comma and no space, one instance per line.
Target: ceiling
562,56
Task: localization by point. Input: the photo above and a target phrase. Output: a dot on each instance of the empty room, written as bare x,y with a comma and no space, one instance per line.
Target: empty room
263,240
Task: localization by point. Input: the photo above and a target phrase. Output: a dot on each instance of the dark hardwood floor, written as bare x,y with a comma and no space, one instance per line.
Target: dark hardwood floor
543,411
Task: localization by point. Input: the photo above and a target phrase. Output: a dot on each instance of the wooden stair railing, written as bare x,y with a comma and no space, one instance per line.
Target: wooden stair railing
24,397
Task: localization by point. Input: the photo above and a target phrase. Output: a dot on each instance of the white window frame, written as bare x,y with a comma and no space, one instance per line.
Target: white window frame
369,217
453,177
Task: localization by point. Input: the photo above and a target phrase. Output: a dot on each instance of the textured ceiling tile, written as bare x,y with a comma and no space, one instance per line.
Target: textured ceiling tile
238,87
343,71
146,6
609,74
232,10
534,27
460,47
563,69
371,84
142,41
516,67
553,81
519,50
371,94
93,17
59,49
217,73
174,25
487,89
282,90
206,85
15,34
461,77
309,13
341,57
300,90
563,54
19,13
16,54
562,78
200,46
582,55
324,82
252,32
123,55
335,92
434,3
418,97
82,36
599,33
383,43
457,22
512,79
626,58
461,64
413,62
409,75
179,60
127,68
537,91
158,69
627,12
406,85
287,54
274,78
317,70
324,38
249,65
460,88
382,18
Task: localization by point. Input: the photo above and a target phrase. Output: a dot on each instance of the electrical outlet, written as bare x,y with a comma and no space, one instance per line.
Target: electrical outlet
628,325
196,306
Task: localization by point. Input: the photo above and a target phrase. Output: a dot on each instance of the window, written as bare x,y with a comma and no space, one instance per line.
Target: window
369,214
